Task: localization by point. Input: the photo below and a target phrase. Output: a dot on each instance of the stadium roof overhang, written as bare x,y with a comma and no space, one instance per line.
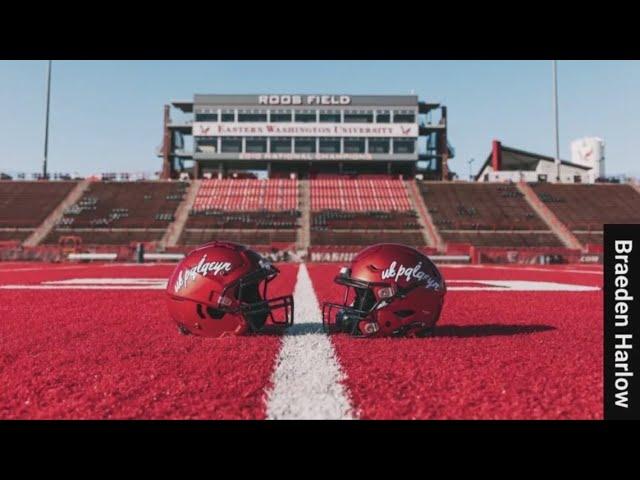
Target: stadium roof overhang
514,159
185,105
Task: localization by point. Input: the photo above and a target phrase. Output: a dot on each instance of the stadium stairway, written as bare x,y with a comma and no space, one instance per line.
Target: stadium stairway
174,230
40,233
429,231
303,241
555,225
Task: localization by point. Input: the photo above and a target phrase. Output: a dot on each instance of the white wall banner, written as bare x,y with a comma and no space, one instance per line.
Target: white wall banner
305,156
219,129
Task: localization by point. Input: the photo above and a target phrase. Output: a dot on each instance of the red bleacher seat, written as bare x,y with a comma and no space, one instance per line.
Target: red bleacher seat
485,214
194,237
27,204
585,208
353,211
359,195
266,208
247,195
118,213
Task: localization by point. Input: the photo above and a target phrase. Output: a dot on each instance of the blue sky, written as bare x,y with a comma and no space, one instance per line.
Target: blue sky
107,115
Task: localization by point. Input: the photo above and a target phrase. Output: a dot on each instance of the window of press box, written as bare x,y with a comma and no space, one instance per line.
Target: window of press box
402,145
404,117
383,117
305,145
256,145
305,117
228,116
206,144
379,145
354,145
329,145
358,117
252,116
330,117
280,145
207,117
280,116
231,145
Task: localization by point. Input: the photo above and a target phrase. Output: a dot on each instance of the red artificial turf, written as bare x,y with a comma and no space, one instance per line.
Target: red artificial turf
32,273
497,355
78,354
115,354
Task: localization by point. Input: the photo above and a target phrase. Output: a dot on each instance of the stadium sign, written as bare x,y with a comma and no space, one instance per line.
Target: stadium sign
249,129
304,100
305,156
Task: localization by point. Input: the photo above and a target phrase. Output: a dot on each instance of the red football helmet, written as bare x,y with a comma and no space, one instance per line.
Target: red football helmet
215,291
397,291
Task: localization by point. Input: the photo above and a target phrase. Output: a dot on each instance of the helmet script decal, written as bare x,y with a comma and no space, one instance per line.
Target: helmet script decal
415,272
202,268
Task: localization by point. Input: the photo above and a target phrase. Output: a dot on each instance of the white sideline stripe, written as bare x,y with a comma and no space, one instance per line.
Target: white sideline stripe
307,380
44,268
95,284
164,256
531,269
519,286
56,268
92,256
108,281
83,287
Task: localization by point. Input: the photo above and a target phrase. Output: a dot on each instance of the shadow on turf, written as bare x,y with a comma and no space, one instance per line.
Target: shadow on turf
488,330
456,331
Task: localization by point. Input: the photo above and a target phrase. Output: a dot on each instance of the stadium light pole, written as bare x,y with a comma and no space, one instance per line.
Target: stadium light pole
555,113
46,123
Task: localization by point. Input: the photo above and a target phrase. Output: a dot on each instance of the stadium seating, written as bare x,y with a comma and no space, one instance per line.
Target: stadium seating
241,219
14,234
353,211
247,195
349,211
484,214
594,238
27,204
195,237
479,206
585,208
336,219
138,211
502,239
250,211
365,237
107,237
359,195
125,205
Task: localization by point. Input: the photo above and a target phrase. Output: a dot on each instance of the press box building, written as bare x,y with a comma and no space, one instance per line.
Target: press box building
305,134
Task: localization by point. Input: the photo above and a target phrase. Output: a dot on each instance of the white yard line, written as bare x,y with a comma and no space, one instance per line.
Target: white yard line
531,269
83,287
85,266
518,286
42,268
307,381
